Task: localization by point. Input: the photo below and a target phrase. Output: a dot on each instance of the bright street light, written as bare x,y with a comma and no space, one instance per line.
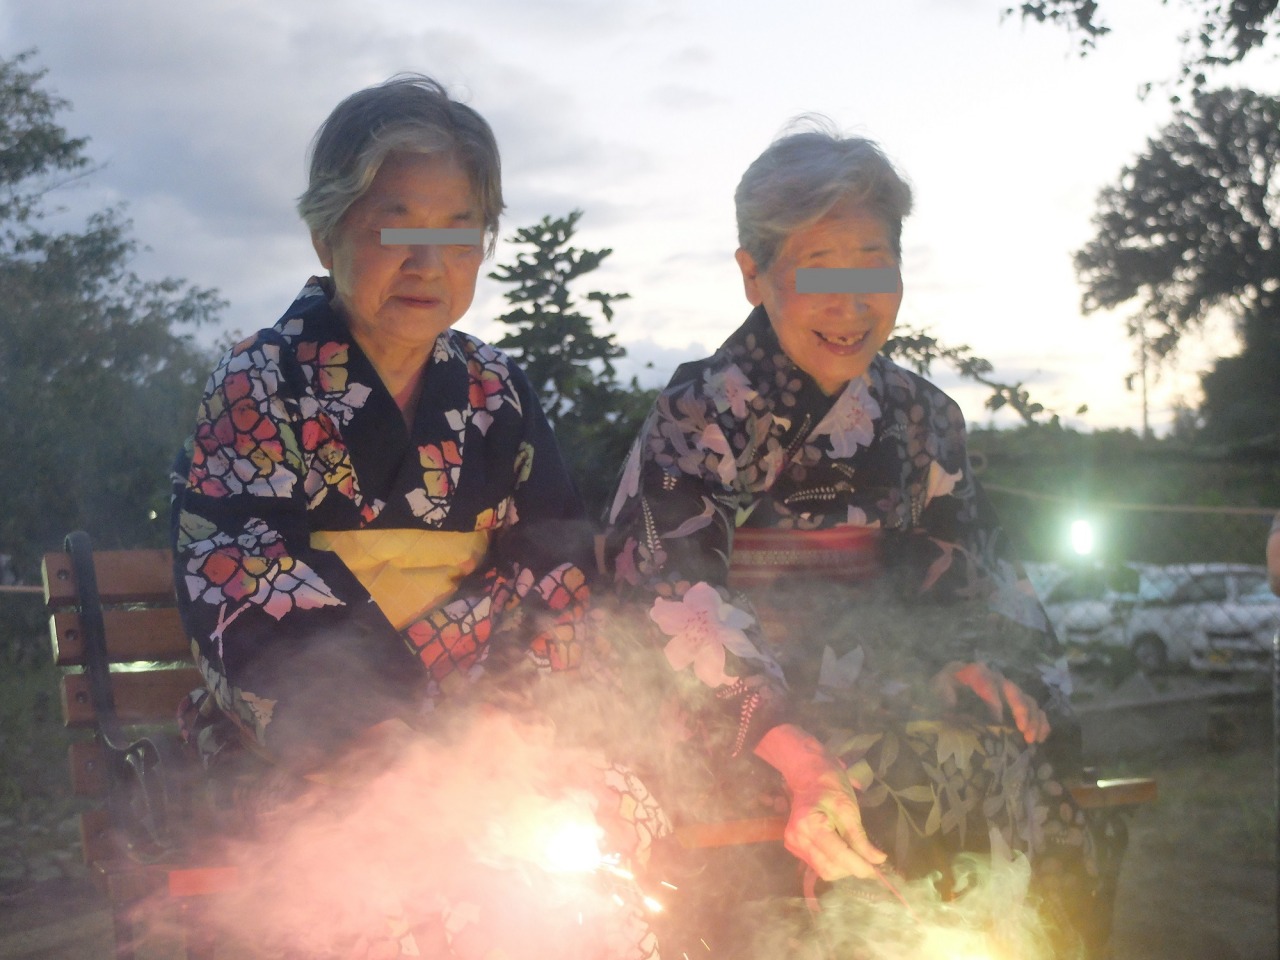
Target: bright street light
1082,537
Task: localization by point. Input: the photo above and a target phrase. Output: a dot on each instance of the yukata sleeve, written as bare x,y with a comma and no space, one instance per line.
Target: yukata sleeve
668,545
969,562
529,600
288,640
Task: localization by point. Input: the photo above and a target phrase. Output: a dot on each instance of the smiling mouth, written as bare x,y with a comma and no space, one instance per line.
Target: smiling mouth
848,344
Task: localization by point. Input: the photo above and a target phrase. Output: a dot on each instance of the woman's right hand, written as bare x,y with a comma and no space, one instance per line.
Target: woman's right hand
824,828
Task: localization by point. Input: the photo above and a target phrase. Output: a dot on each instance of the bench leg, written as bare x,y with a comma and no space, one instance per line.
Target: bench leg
196,931
1110,838
124,928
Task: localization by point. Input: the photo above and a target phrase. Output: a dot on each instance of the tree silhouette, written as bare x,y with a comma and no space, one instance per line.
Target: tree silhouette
1229,30
556,344
97,382
569,363
1190,230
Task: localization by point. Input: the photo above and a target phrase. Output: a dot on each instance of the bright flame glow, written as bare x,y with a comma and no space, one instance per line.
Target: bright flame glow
573,847
957,945
652,905
608,866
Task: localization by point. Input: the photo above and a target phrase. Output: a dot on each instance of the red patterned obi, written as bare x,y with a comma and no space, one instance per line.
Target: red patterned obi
838,554
797,579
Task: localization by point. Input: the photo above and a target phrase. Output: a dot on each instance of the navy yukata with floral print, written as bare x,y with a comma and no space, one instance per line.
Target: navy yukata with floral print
743,453
303,493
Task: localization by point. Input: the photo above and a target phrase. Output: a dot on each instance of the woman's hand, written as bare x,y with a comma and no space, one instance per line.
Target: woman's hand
996,690
824,828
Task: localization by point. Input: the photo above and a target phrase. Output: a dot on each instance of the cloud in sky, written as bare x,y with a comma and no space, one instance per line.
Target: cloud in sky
644,115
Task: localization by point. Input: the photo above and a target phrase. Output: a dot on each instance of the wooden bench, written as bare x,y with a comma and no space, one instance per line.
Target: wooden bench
126,667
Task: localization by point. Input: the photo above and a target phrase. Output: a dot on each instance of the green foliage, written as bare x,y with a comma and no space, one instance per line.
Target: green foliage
1229,29
1242,398
97,380
34,150
1191,228
570,365
1042,477
555,343
920,350
34,790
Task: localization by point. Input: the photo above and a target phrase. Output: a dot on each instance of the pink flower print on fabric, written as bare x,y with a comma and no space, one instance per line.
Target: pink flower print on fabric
729,390
702,626
720,457
941,483
850,423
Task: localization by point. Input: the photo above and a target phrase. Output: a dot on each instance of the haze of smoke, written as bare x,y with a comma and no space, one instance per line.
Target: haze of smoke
445,840
991,918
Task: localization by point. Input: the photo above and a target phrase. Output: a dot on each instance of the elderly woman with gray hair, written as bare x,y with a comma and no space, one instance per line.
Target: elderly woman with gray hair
372,516
366,508
846,637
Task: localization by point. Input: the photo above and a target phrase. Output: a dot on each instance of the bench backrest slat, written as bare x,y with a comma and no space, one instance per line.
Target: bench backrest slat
124,576
145,696
132,635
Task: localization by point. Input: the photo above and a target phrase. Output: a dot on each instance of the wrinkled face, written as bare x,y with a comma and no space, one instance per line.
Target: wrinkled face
398,298
833,337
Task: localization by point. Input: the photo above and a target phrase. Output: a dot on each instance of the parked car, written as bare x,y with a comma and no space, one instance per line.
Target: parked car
1087,605
1177,603
1239,635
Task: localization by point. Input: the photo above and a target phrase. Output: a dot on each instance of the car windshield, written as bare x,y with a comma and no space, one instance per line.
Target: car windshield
1159,585
1090,585
1257,590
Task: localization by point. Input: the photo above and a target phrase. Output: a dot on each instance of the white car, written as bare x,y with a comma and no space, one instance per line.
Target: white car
1178,602
1085,607
1239,635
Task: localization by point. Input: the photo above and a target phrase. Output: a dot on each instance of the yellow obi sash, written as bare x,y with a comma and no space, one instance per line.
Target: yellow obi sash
407,572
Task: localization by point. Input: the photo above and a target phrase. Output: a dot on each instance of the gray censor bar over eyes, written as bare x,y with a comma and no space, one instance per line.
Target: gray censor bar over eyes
470,236
845,279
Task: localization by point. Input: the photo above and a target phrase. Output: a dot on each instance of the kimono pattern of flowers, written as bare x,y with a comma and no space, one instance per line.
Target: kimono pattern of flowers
297,434
745,440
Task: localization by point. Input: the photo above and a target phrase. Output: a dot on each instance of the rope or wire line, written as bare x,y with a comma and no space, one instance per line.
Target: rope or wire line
1149,507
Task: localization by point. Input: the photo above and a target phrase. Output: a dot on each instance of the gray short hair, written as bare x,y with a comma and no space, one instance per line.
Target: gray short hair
802,175
411,113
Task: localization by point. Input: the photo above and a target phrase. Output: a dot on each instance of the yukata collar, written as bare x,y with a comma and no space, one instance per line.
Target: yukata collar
809,396
315,300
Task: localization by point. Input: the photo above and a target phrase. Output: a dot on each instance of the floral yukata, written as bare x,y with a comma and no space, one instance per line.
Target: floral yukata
336,569
744,448
299,447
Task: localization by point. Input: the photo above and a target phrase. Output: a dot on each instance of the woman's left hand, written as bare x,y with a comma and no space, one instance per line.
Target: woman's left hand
997,691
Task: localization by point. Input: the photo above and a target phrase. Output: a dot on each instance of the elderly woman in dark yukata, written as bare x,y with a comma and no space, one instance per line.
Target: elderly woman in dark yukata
373,521
846,635
361,522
